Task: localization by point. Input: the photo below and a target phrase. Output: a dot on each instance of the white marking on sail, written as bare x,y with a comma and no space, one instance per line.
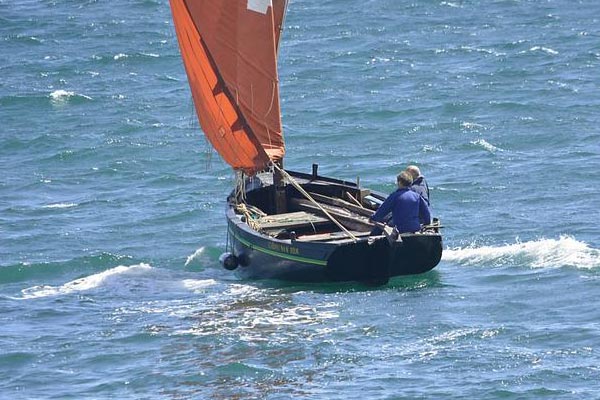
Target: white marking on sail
260,6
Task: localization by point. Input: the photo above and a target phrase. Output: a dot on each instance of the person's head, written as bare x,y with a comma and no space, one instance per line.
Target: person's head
414,171
404,179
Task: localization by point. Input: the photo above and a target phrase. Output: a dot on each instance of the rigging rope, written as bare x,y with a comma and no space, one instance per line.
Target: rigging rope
249,214
252,214
309,197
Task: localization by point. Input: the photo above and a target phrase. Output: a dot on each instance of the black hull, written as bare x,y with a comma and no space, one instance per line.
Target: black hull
265,257
268,258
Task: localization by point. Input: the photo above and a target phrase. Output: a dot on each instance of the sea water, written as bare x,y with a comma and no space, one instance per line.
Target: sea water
112,205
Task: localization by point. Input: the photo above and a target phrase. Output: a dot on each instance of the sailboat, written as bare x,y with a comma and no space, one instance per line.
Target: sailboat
282,224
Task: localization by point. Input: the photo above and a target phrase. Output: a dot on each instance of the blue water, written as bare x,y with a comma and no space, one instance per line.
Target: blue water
112,206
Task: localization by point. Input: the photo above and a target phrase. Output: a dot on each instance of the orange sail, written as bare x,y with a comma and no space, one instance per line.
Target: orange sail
229,50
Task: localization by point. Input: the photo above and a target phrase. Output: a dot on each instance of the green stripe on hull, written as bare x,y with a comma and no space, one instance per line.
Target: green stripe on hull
277,253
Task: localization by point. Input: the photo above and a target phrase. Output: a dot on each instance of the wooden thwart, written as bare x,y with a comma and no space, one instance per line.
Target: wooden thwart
324,237
291,220
353,216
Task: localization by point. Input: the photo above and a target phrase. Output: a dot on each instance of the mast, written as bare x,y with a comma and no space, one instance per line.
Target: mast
280,198
280,191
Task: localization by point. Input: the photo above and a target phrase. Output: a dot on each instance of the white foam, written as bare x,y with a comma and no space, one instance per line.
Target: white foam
194,256
198,286
542,253
471,125
61,96
546,50
450,4
60,205
84,284
483,50
486,145
263,321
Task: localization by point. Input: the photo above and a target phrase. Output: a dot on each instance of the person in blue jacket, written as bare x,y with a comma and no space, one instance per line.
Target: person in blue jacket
407,207
419,184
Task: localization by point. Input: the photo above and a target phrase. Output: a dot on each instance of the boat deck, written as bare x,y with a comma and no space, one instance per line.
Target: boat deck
290,220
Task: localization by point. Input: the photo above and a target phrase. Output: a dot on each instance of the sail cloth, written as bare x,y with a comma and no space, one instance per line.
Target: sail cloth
229,49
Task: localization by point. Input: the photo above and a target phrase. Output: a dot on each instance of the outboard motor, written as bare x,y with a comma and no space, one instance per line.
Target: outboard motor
229,261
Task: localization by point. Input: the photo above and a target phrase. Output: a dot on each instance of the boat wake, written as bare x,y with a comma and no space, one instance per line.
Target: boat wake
125,282
196,256
543,253
86,283
203,258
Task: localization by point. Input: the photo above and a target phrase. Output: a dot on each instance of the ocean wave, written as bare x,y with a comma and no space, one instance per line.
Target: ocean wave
85,283
62,96
543,253
198,286
24,39
60,205
125,281
486,145
32,100
203,257
135,56
254,316
26,271
471,126
546,50
197,254
451,4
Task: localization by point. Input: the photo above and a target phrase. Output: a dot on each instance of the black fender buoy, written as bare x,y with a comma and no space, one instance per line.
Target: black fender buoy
229,261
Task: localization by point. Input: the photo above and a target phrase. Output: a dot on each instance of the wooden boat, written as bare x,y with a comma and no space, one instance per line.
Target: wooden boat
281,224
